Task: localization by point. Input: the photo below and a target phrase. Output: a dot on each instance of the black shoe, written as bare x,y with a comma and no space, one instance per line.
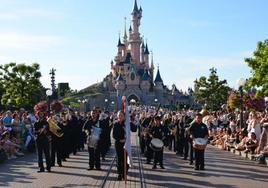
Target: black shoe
162,167
202,168
184,158
99,168
48,170
41,170
196,168
191,163
90,168
154,167
64,160
103,159
60,165
52,164
119,178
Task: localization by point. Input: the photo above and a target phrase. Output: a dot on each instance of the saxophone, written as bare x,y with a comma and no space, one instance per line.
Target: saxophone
53,127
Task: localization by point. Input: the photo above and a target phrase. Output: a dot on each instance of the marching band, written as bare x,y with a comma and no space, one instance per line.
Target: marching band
59,135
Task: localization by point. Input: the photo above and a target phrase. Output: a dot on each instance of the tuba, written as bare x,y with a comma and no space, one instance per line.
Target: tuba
53,127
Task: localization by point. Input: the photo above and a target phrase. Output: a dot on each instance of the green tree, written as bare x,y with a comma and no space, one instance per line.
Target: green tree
21,84
211,91
259,68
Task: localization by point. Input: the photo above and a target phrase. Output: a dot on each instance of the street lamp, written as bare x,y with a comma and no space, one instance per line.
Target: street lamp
241,82
49,94
266,102
85,104
106,103
155,100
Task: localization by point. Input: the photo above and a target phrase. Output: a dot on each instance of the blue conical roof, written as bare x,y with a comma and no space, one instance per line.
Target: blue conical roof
119,43
145,76
119,78
128,58
158,77
146,50
135,9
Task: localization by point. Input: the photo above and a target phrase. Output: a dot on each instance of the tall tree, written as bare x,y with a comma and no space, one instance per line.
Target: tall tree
259,68
211,91
21,84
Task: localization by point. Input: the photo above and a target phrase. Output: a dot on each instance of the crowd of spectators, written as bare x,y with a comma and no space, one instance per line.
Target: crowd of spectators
251,137
16,134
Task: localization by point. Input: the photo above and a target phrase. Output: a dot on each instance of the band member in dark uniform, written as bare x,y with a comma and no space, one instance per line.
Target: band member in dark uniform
41,128
119,135
66,146
93,149
157,132
57,143
199,130
145,138
73,124
105,134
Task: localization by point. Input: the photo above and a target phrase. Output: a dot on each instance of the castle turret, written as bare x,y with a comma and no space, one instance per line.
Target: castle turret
158,81
135,39
145,81
152,67
125,39
120,51
146,56
120,85
142,52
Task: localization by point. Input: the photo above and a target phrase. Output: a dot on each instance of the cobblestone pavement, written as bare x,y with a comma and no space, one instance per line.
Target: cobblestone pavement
223,169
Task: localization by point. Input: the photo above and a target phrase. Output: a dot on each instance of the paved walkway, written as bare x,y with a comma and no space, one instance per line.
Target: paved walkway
223,169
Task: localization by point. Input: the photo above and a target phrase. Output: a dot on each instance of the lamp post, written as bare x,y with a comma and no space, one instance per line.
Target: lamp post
49,94
112,104
106,103
155,100
241,82
266,102
85,104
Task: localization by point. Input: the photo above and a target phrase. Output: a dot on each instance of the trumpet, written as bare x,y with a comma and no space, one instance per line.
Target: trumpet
54,128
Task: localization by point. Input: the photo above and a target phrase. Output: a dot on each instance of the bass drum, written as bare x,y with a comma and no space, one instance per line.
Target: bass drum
94,137
156,144
200,143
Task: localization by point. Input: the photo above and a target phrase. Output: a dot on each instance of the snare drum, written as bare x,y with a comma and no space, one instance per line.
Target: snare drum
200,143
156,144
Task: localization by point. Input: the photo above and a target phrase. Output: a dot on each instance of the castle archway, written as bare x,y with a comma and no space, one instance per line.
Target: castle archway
132,98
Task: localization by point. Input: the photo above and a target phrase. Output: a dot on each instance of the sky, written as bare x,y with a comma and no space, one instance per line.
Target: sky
79,37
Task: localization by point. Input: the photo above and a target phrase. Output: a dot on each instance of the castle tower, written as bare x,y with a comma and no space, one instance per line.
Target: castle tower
142,52
158,81
134,38
152,67
120,85
145,82
125,39
146,56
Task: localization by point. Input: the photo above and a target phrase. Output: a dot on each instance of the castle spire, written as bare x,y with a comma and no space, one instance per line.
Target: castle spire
125,32
158,76
146,49
135,9
119,42
152,60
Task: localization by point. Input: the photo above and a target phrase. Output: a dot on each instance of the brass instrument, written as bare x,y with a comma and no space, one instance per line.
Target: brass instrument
173,131
54,128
